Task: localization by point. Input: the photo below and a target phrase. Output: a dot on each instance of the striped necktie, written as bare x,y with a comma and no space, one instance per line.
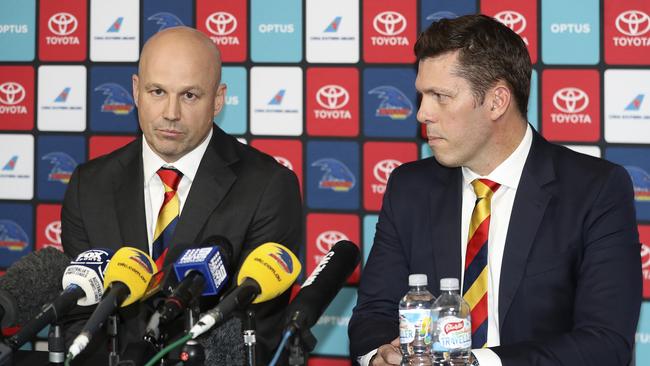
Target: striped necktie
168,215
475,281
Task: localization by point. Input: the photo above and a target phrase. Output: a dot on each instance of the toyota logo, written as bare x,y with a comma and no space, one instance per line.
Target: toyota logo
62,24
327,239
512,20
53,232
11,93
570,100
332,96
645,256
633,23
382,169
284,161
221,23
389,23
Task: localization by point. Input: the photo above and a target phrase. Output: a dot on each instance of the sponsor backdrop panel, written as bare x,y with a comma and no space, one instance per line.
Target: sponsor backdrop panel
325,87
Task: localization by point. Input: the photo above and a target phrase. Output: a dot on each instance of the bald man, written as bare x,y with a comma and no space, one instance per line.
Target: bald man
226,188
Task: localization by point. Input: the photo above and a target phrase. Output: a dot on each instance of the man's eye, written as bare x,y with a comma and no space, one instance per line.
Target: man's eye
157,92
190,96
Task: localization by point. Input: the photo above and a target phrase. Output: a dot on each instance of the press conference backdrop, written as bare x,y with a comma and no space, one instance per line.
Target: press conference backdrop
325,86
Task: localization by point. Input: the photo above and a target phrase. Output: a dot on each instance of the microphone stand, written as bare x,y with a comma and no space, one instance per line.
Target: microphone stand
113,343
56,344
249,338
5,355
302,342
192,353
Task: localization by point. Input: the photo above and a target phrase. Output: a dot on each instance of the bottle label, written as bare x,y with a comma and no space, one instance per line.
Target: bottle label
453,334
414,322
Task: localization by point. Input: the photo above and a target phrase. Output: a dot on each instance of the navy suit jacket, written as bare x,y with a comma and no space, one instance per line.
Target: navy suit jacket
570,286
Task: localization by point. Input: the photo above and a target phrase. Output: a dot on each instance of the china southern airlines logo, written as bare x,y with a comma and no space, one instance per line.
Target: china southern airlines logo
277,98
116,26
283,259
165,20
12,236
63,166
333,27
337,176
635,104
394,104
63,96
640,181
118,100
11,164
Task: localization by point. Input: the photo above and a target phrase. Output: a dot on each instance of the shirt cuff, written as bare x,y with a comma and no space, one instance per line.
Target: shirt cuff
486,357
365,359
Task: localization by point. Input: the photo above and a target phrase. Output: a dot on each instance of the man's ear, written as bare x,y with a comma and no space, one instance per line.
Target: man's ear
135,82
499,100
220,98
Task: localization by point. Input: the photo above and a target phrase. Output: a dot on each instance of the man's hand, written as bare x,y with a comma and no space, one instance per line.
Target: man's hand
388,354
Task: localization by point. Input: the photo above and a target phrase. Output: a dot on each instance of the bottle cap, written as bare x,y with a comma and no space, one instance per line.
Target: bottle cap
417,280
449,284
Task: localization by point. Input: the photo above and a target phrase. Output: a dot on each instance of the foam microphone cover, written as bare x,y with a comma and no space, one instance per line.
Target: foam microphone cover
31,282
225,344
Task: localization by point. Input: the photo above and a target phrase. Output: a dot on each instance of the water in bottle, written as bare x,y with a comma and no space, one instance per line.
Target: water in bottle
453,329
415,323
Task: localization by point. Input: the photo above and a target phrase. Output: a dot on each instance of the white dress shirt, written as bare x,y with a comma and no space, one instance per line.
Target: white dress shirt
507,174
154,191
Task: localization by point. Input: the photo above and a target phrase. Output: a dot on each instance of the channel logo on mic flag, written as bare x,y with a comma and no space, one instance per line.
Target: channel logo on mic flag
158,15
16,222
62,30
644,237
16,98
285,152
627,32
571,105
433,11
520,16
333,102
389,31
333,175
379,161
112,108
226,23
325,230
637,164
48,226
389,103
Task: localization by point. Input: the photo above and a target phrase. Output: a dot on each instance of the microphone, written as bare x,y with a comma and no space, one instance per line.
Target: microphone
126,279
320,288
267,272
83,285
29,283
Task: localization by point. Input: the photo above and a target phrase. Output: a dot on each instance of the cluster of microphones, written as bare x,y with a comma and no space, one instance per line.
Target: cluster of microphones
31,296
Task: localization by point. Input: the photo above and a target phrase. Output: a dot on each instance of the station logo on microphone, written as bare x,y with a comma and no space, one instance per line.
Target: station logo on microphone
627,32
16,220
325,230
16,98
520,16
389,31
333,102
112,108
162,14
333,175
226,23
48,226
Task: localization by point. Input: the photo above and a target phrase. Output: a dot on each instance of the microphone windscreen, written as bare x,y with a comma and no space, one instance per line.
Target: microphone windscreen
31,282
225,344
273,267
132,267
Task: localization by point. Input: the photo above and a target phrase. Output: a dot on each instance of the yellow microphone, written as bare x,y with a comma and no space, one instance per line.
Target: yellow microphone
126,279
267,272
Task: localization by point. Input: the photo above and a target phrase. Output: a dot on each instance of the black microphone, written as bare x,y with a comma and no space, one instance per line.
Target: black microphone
318,291
29,283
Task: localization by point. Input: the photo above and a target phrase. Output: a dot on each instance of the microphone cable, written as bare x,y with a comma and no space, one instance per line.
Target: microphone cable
283,343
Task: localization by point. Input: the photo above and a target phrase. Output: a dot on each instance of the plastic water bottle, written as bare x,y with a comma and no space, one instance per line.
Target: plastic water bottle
415,323
453,330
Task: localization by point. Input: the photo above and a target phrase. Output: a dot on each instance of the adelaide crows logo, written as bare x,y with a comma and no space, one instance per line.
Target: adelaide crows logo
394,104
640,181
118,100
283,258
337,176
63,166
166,20
143,260
12,236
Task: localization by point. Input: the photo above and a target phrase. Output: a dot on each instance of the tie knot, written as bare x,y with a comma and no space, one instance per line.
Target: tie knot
484,187
170,177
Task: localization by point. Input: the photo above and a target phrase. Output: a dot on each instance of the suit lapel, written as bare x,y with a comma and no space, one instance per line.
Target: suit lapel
129,204
527,212
445,218
211,184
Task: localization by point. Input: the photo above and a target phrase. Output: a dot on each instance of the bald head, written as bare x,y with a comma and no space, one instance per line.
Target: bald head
183,42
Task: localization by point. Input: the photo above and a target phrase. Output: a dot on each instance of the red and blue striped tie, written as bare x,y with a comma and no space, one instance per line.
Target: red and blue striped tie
168,215
475,281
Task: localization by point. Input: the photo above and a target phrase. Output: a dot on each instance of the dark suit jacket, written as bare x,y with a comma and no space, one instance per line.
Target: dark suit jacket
570,286
238,192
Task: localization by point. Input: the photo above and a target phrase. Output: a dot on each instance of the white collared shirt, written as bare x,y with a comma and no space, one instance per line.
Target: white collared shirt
154,191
